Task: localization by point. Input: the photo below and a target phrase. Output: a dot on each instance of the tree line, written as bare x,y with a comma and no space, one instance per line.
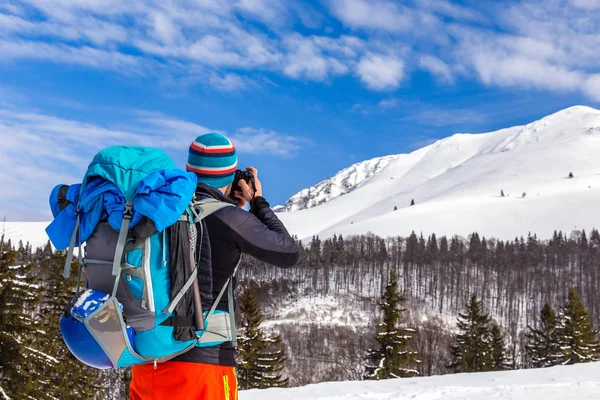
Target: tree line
437,276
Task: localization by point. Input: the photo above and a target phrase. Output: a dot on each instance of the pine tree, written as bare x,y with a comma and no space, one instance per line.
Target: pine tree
542,343
412,202
64,375
502,193
571,175
260,358
392,359
18,299
471,351
498,349
577,336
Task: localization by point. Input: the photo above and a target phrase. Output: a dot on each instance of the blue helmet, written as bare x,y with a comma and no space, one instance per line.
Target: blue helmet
92,328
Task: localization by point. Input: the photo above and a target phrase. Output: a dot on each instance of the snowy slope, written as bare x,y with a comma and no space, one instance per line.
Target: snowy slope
343,182
581,382
456,184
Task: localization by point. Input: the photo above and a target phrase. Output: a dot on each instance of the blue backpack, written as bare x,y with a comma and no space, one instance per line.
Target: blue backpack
140,223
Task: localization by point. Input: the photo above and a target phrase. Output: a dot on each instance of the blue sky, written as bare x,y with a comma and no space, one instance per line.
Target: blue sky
304,88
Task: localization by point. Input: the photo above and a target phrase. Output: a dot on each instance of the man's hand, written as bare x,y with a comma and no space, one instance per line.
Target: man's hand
248,193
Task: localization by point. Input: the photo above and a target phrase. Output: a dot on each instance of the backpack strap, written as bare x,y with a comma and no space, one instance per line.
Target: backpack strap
206,206
127,214
231,305
67,267
121,242
230,334
222,292
200,210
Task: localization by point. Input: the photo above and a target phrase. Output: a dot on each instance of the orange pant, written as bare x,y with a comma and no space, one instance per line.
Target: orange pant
174,380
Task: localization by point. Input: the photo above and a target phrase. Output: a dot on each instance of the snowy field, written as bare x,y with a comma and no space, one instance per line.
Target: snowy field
581,382
328,310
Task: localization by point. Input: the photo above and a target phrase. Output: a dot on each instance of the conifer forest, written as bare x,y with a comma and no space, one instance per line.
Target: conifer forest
443,305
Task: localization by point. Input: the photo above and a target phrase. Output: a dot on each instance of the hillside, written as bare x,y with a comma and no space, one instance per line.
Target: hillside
558,383
456,184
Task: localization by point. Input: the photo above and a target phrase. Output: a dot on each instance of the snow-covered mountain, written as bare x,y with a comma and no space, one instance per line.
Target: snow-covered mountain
557,383
343,182
457,185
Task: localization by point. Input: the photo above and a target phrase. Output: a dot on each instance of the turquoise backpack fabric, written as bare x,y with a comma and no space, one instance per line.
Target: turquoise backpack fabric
126,166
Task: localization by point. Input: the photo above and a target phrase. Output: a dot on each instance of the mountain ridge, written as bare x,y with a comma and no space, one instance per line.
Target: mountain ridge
462,168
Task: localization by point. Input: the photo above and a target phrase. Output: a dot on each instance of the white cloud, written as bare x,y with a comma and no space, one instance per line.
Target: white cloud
448,9
306,60
548,48
84,55
559,33
268,11
373,14
39,151
221,43
586,4
525,72
259,141
444,117
164,29
380,72
229,82
88,30
437,67
317,58
591,87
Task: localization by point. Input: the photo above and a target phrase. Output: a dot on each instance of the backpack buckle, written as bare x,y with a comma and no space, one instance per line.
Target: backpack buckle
128,212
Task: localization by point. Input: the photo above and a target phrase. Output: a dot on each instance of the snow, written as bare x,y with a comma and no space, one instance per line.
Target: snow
456,184
54,360
323,309
343,182
3,393
581,381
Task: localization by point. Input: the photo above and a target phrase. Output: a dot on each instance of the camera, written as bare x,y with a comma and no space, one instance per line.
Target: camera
246,176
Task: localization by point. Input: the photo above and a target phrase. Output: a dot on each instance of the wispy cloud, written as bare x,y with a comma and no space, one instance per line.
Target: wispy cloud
438,117
387,104
230,82
437,67
61,53
521,44
374,14
592,87
261,141
39,151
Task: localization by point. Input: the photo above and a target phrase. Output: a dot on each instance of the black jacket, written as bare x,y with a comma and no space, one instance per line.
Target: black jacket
230,232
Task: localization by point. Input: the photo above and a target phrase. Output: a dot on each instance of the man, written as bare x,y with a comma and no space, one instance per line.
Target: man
208,373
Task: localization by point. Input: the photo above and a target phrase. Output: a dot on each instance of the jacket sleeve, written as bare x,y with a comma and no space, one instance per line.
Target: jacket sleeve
262,235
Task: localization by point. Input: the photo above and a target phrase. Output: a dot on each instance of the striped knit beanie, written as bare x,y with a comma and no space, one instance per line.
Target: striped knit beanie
213,159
